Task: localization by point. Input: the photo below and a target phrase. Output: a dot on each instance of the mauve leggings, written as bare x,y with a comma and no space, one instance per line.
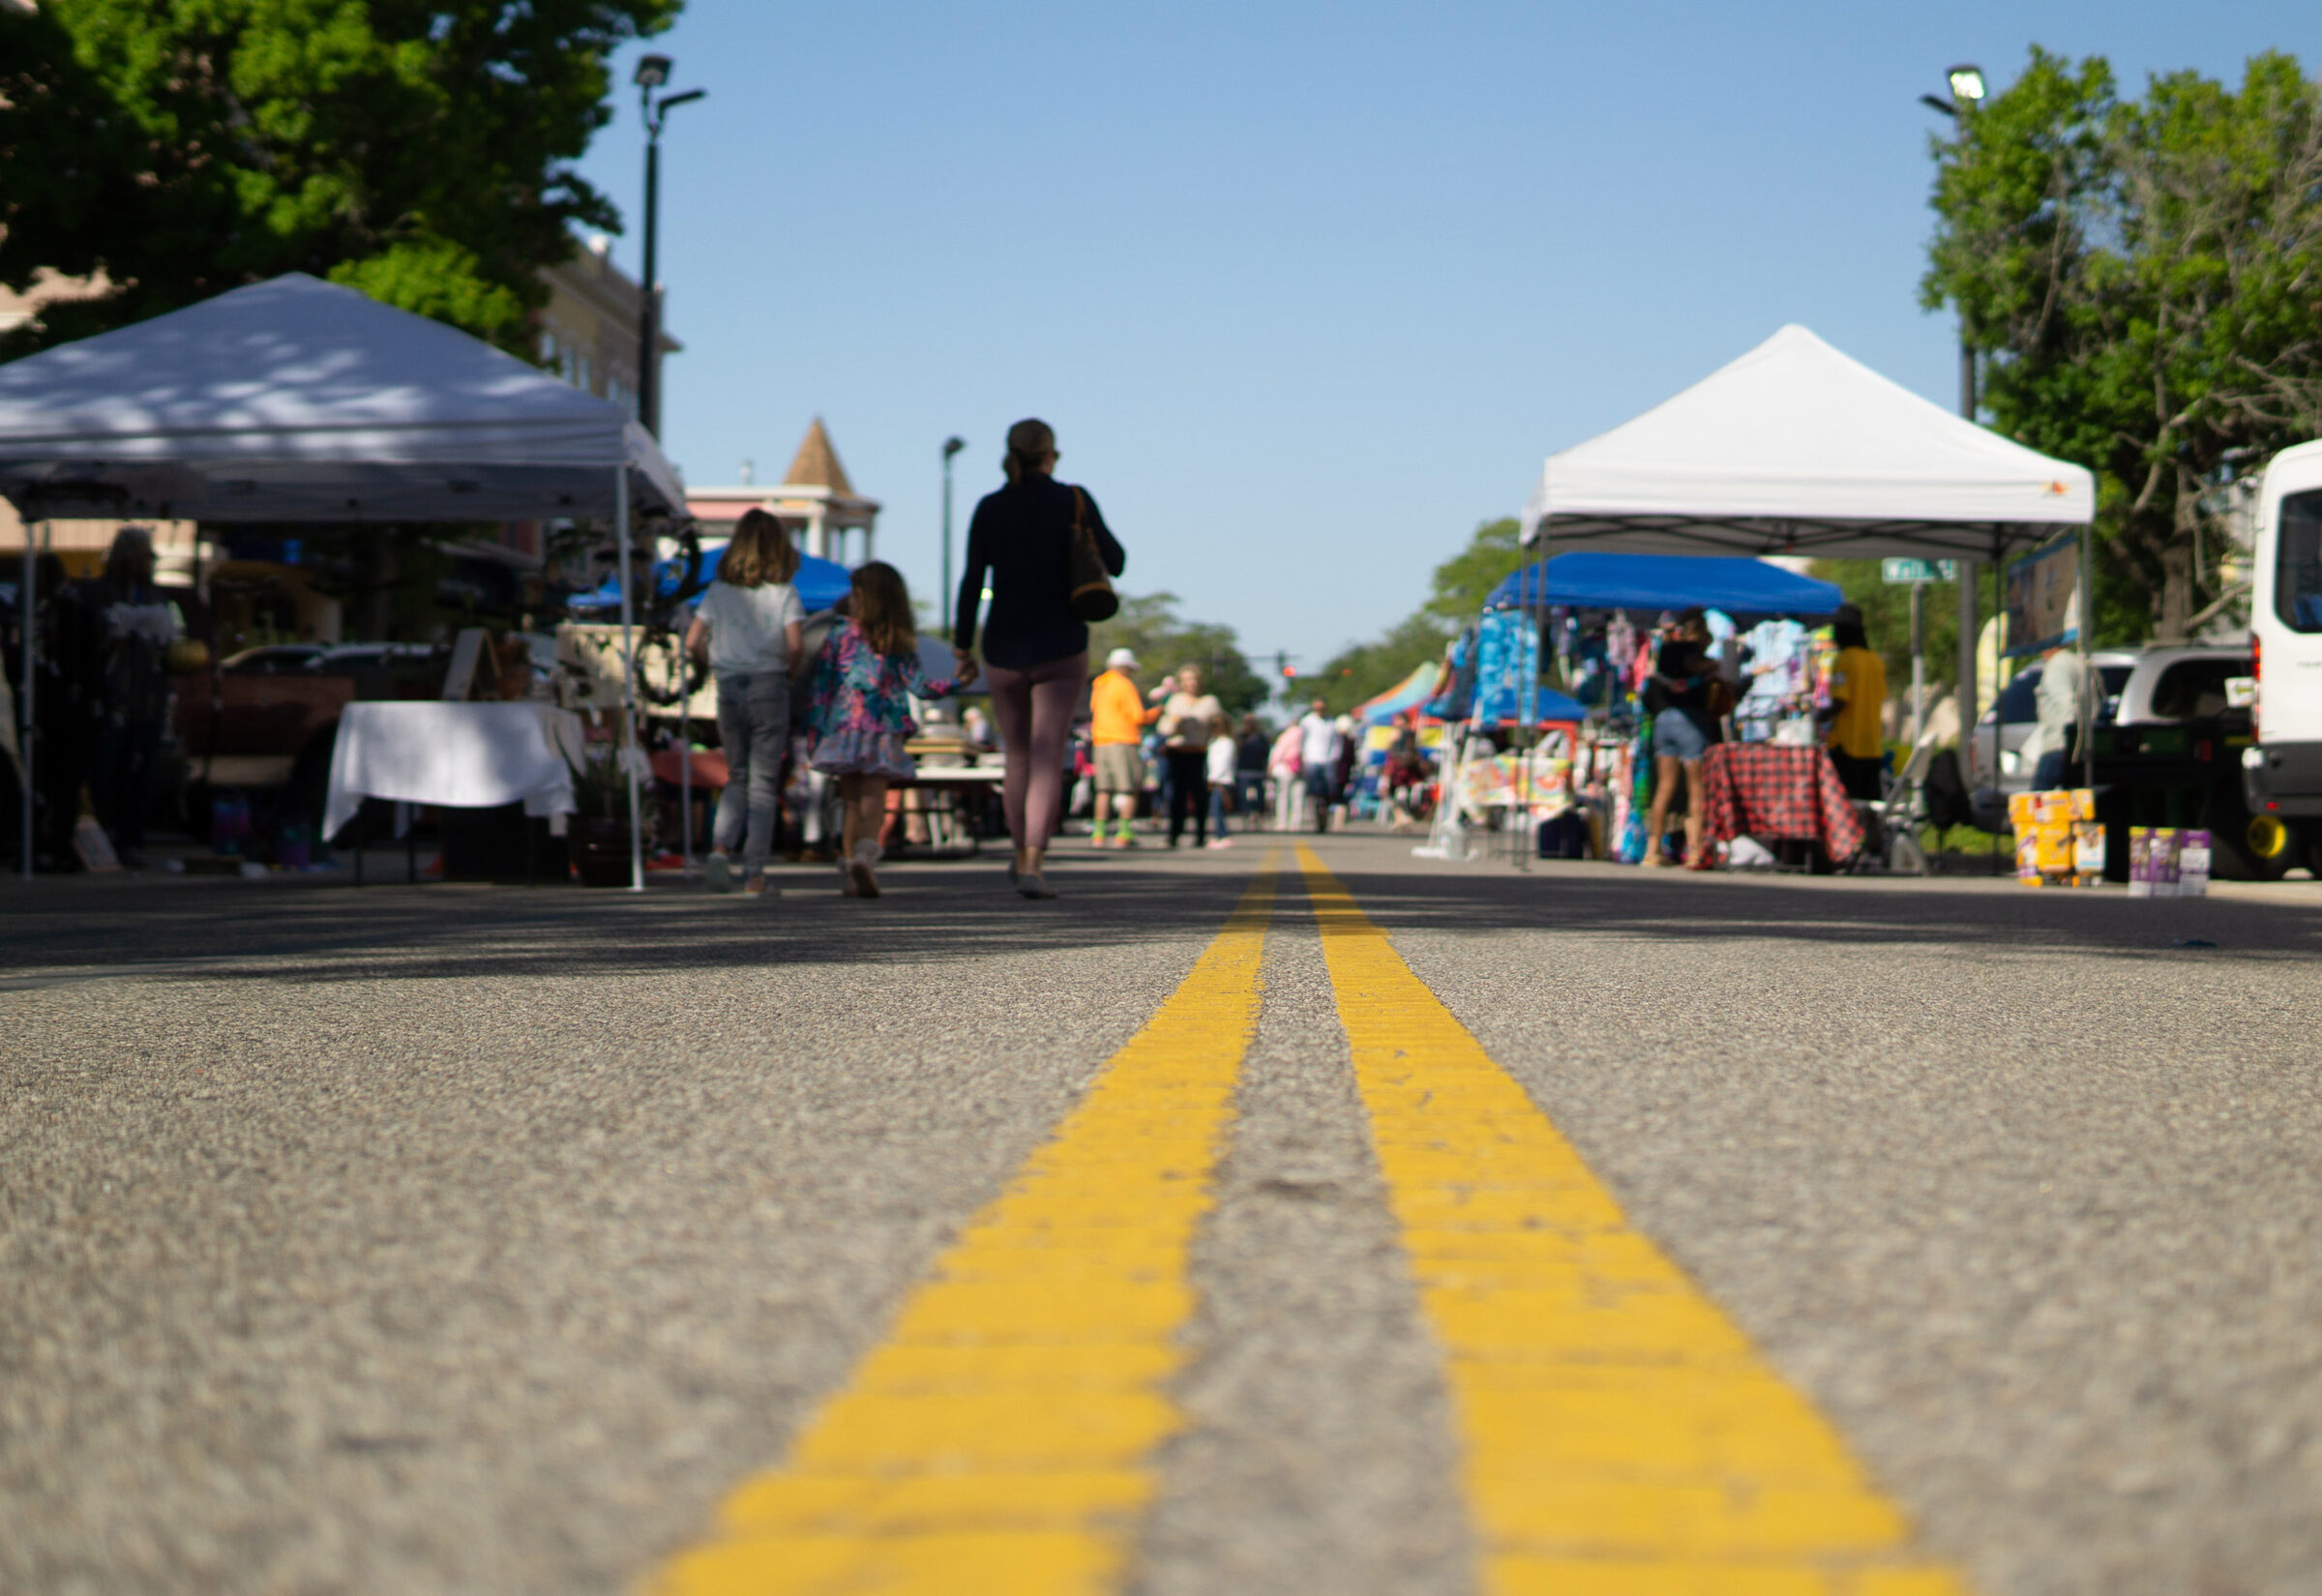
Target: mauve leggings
1033,709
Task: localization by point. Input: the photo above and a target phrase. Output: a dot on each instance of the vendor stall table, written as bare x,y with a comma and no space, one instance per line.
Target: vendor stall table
457,755
948,829
1769,790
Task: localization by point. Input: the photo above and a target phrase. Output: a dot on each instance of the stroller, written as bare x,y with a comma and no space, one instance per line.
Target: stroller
1925,792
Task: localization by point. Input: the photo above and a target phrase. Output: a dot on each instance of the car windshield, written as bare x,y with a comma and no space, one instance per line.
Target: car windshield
2019,700
2193,688
2297,563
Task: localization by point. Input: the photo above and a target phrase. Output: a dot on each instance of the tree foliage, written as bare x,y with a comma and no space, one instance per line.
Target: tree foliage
2143,280
1150,628
1461,584
419,151
1886,619
1455,597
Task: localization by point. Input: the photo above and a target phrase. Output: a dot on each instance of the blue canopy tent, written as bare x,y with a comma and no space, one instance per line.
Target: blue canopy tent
820,582
1739,586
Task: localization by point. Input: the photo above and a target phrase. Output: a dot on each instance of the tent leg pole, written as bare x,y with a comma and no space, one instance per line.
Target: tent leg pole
1919,663
25,593
1999,652
2090,688
620,528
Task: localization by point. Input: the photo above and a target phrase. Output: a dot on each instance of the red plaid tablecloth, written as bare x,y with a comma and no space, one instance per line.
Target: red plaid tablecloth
1768,789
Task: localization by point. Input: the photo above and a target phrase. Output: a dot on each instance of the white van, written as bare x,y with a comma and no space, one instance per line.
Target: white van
2282,771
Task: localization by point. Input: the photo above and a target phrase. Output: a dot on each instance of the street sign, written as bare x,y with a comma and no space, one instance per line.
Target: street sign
1919,571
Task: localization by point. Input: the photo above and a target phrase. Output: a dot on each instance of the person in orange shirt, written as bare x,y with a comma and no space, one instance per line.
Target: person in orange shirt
1119,718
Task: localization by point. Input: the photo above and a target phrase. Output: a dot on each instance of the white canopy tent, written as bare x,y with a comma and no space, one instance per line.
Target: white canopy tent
1795,448
300,401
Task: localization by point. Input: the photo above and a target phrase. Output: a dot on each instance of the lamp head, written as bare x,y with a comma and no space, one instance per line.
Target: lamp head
652,71
1967,85
952,446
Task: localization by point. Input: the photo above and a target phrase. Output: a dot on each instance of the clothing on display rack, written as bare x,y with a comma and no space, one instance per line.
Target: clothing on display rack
1777,664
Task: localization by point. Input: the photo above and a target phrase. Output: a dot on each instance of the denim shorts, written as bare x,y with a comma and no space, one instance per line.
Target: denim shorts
1675,736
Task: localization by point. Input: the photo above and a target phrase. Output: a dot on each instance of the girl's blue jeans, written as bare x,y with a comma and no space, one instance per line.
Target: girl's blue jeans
753,722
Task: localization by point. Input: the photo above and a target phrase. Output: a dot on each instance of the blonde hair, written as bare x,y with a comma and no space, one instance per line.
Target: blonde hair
760,554
881,607
1031,443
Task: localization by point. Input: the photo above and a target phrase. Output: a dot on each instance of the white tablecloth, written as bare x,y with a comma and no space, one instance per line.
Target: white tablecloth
465,755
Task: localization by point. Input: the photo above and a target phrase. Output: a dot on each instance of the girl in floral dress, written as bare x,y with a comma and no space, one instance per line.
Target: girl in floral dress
859,713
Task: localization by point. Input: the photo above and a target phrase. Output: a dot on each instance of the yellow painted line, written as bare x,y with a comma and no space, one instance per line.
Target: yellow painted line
1001,1438
1620,1436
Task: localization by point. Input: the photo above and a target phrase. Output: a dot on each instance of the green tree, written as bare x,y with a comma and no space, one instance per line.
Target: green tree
1887,618
1462,582
1149,627
2143,280
1455,597
419,151
1367,670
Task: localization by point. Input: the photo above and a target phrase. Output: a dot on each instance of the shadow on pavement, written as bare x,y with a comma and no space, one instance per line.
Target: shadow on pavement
65,932
1596,900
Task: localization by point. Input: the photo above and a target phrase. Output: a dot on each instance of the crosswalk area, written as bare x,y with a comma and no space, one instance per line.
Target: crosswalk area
1616,1433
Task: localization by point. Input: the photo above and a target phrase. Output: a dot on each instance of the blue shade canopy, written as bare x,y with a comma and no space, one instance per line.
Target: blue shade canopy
820,582
1666,581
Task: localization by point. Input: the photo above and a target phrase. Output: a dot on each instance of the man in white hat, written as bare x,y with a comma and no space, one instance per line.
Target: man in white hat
1117,721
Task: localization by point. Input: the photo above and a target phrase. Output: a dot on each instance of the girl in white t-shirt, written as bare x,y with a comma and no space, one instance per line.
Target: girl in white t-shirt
750,627
1221,754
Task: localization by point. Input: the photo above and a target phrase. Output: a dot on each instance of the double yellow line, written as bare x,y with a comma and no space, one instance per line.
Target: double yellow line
1620,1436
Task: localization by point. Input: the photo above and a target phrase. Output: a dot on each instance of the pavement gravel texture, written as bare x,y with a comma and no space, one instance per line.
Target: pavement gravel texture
478,1239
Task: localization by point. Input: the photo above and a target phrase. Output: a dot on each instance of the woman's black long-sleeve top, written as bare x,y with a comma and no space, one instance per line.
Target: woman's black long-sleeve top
1021,537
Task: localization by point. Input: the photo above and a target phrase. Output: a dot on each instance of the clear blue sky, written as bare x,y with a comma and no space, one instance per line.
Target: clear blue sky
1307,291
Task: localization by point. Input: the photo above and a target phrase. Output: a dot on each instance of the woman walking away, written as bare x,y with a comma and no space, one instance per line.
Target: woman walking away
860,712
1035,649
752,626
1677,695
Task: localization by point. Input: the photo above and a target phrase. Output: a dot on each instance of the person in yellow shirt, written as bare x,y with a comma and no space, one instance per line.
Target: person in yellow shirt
1856,737
1118,718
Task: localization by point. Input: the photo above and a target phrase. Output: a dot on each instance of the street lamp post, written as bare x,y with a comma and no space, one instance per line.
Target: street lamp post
951,447
652,71
1967,92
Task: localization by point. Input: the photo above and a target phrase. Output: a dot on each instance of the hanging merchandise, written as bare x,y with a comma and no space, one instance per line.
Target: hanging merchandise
1507,668
1776,665
1620,642
1636,797
1458,693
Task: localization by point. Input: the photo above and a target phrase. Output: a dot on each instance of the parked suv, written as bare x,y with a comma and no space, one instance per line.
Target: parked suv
2009,722
2147,686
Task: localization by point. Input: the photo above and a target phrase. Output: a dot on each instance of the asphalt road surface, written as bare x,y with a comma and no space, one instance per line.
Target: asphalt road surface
1583,1229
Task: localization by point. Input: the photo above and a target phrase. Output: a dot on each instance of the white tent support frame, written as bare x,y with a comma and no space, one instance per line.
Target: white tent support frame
629,757
26,581
629,747
1794,449
297,401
